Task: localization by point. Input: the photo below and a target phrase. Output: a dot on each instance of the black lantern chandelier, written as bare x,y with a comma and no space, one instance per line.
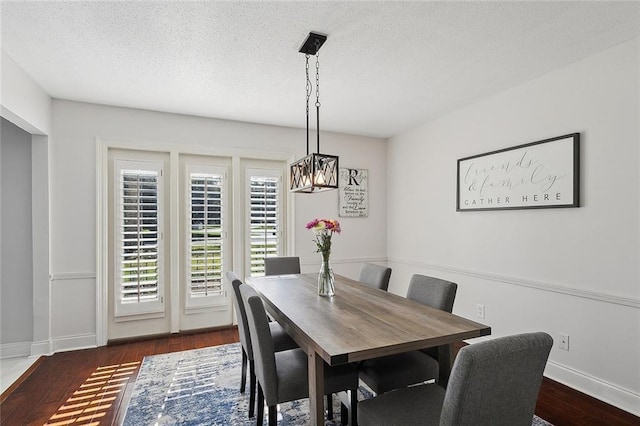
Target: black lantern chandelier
315,172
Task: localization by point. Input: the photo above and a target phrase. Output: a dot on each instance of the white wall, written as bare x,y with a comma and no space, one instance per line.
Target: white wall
76,126
26,105
23,102
573,271
16,291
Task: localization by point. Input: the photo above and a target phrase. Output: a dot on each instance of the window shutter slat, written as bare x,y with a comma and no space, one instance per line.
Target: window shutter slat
264,215
206,243
138,234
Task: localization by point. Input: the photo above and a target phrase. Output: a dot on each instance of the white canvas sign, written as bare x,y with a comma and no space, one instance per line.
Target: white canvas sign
541,174
354,192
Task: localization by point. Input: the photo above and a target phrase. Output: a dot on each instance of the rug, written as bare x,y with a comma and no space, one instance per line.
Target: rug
201,387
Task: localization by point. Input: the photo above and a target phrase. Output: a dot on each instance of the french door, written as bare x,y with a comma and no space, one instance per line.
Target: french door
174,226
205,242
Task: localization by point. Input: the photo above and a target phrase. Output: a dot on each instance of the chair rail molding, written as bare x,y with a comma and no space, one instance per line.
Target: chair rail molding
550,287
344,260
67,276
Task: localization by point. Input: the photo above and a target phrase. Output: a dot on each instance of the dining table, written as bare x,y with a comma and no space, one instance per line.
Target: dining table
357,323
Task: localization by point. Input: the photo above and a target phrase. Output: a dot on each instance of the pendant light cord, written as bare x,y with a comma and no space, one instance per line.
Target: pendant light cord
318,100
308,96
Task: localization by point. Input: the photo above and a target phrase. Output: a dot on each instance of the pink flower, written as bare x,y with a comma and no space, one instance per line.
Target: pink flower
312,224
320,224
332,225
324,229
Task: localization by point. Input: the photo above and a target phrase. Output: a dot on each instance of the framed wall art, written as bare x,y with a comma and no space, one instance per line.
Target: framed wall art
354,192
542,174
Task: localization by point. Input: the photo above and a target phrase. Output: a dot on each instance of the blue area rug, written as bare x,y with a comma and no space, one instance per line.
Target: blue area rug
201,387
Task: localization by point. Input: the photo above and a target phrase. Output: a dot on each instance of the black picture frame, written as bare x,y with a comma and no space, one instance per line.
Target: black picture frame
537,175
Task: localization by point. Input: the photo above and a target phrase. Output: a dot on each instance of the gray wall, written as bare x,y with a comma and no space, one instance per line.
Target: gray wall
16,272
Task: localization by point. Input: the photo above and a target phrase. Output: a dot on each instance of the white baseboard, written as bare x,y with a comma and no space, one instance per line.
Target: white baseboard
47,347
614,395
15,350
611,394
72,343
42,347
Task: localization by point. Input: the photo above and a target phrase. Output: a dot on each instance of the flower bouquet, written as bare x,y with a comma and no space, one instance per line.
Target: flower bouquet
324,230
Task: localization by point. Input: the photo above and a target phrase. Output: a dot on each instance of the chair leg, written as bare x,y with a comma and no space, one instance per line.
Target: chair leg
329,406
348,406
243,380
353,410
344,414
273,415
260,414
252,388
444,364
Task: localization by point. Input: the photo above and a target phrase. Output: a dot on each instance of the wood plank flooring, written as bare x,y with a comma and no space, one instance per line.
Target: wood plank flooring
92,387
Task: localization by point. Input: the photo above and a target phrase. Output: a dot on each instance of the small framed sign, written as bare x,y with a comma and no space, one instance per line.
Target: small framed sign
354,192
543,174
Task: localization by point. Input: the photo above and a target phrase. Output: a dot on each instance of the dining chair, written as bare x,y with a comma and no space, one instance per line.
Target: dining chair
493,383
375,275
281,265
283,376
281,341
396,371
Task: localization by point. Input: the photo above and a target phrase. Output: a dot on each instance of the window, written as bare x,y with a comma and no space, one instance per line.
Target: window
206,234
138,241
265,205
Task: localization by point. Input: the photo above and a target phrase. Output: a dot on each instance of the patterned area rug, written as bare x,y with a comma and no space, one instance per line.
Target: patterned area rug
201,387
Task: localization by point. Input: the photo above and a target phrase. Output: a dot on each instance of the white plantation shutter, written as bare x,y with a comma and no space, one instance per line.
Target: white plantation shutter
206,207
138,238
265,194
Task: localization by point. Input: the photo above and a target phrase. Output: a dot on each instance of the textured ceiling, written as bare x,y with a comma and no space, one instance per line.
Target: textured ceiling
386,66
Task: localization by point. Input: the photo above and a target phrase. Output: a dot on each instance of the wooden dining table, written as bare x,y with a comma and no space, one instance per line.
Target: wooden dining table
359,322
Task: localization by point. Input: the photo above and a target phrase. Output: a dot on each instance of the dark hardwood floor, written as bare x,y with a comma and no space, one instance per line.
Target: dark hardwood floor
92,387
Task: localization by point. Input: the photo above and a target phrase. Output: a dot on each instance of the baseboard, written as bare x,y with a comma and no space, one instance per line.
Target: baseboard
25,349
588,385
611,394
72,343
43,347
15,350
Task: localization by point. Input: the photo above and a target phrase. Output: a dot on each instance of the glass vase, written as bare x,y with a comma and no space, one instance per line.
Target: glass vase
326,285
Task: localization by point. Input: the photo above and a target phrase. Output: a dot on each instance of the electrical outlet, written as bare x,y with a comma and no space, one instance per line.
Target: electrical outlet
480,311
564,342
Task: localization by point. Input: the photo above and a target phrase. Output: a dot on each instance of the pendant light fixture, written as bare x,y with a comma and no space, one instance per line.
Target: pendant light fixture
315,172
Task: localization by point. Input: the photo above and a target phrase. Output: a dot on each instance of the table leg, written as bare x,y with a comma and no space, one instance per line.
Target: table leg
316,388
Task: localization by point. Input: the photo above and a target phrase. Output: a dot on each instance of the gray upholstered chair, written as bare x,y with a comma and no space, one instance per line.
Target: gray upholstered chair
283,376
493,383
281,341
281,265
375,275
401,370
